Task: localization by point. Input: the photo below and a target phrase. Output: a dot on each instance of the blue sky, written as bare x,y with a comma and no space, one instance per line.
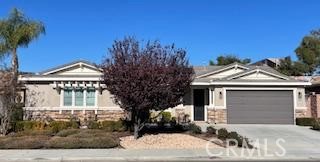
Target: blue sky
205,28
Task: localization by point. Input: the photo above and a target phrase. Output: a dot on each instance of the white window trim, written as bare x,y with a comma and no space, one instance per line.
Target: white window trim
74,100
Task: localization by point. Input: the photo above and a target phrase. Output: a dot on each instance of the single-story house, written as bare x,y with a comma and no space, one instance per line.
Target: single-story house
235,94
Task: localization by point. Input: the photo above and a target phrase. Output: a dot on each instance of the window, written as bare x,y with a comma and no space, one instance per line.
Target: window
79,97
90,100
67,97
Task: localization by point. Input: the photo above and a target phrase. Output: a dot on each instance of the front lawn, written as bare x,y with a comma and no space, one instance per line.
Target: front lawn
64,139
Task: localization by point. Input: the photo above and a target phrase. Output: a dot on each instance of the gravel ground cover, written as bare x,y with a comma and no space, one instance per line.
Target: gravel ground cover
165,141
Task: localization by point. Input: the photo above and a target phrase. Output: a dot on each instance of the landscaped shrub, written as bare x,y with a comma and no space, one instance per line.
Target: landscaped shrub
65,139
17,115
223,133
77,143
305,121
33,133
67,132
57,126
195,129
235,136
211,130
173,122
74,124
112,125
93,124
107,125
29,125
25,142
316,125
119,126
165,116
152,117
88,133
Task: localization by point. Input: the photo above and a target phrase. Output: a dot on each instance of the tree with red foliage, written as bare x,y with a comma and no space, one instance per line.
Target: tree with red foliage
144,78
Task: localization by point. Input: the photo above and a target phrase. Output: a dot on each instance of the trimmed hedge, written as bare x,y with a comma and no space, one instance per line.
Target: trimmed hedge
29,125
54,126
57,126
77,143
65,139
113,126
93,124
305,121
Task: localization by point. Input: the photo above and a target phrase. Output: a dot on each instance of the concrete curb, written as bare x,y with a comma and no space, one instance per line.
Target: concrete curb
117,155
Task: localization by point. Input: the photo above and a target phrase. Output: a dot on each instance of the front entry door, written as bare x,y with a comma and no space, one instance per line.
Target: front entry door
198,104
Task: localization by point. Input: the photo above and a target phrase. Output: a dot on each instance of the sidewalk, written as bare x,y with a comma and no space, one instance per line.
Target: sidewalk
82,155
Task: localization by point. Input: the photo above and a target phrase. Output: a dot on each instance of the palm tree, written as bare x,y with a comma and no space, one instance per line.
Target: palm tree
17,31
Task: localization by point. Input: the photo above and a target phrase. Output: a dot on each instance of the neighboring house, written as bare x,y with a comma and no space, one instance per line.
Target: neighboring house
234,94
272,62
312,95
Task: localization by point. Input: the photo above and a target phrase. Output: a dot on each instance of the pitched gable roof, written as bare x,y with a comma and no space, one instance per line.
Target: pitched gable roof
217,69
258,69
70,65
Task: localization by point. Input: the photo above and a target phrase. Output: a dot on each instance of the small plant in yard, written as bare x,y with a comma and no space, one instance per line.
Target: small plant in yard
173,122
211,130
92,124
165,116
57,126
113,125
235,136
305,121
223,133
316,125
195,129
29,125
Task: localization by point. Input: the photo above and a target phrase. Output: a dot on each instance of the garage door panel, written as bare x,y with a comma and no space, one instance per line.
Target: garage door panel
260,107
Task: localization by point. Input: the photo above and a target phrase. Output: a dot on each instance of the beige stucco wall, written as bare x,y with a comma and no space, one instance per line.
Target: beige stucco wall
105,100
218,101
41,95
301,100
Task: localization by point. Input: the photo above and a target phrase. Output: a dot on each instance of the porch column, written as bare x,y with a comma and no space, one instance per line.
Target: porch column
210,97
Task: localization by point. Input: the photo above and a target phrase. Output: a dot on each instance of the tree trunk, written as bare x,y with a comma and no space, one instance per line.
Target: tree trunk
15,66
136,124
136,131
9,98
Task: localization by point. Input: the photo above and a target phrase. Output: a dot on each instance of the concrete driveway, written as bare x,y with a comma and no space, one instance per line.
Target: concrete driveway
296,140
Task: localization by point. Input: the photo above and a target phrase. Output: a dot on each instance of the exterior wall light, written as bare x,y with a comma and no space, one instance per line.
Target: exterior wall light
299,94
220,95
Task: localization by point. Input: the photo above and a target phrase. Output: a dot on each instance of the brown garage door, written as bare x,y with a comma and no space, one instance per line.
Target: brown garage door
259,107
